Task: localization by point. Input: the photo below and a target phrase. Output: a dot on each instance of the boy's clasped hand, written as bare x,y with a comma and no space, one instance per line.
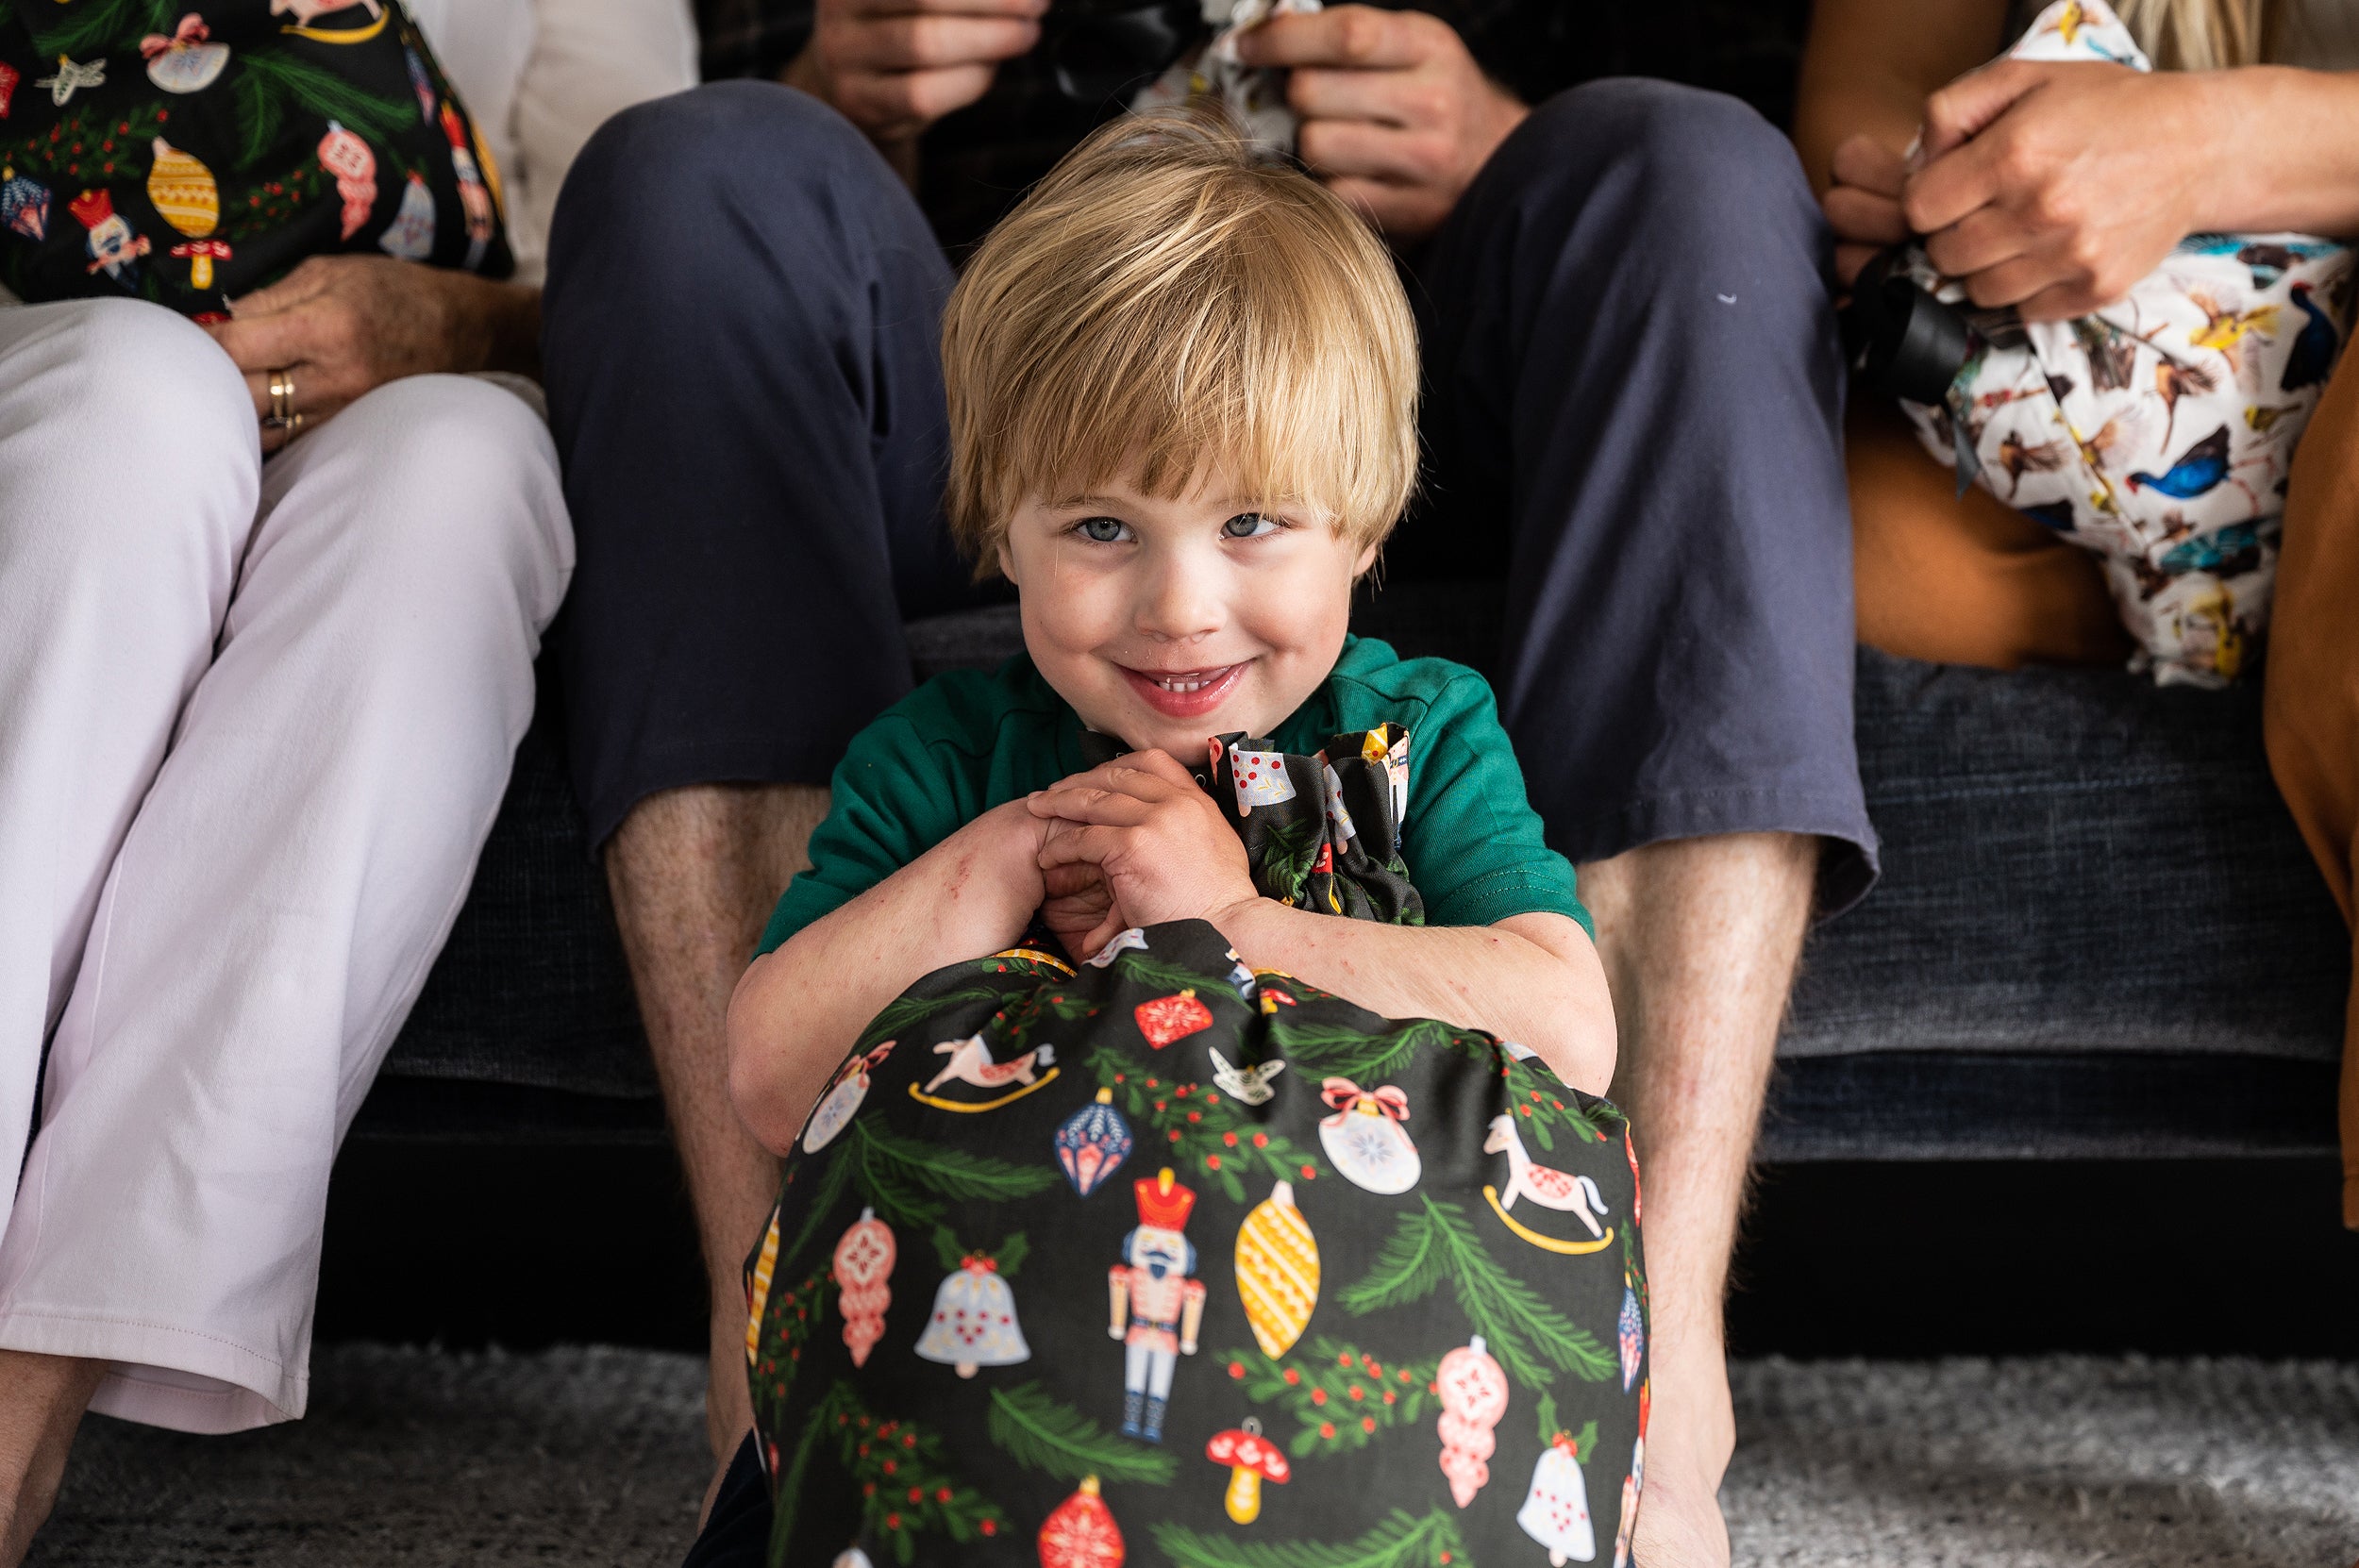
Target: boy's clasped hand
1135,842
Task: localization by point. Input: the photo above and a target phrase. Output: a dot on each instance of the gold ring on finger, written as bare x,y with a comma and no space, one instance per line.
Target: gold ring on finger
283,391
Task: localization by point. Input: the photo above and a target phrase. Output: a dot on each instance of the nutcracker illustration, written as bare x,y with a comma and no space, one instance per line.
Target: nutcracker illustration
1157,1306
1474,1395
472,198
113,245
348,159
863,1263
1366,1139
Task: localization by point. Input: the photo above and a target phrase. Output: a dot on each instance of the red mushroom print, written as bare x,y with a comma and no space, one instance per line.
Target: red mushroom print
1252,1459
201,255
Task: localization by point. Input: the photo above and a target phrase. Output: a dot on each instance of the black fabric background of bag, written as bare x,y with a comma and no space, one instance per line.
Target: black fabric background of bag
1404,1278
257,127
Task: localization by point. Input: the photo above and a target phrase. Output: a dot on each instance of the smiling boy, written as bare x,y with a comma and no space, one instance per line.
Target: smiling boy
1182,392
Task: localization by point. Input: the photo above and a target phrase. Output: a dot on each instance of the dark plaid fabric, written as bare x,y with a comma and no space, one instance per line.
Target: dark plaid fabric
977,161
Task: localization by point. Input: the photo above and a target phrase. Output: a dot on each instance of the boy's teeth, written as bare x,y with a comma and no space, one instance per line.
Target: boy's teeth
1183,684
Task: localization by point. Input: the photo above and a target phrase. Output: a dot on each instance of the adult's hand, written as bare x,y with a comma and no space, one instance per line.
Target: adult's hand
1863,203
894,67
2054,187
1397,116
338,327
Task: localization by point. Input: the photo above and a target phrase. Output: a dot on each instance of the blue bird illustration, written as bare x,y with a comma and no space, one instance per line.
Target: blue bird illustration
2201,469
2052,514
2313,353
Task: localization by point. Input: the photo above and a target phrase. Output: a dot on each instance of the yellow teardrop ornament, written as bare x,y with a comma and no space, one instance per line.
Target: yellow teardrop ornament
182,192
1278,1271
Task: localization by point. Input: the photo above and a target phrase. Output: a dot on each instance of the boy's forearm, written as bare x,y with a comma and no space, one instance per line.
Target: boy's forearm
799,1010
1534,979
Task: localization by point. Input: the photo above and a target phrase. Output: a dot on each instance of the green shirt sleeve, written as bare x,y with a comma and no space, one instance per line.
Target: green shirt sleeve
1474,845
894,797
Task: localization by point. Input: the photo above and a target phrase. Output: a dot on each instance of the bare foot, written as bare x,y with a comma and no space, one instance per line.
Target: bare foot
43,1405
1690,1436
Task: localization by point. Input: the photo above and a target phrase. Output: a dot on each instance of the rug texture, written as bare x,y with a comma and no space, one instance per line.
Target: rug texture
596,1457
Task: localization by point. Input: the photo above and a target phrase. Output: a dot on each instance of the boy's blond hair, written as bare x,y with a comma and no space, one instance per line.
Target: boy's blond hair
1169,301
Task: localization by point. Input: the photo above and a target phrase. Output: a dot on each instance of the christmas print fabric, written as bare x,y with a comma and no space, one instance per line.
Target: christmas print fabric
186,152
1163,1261
2157,432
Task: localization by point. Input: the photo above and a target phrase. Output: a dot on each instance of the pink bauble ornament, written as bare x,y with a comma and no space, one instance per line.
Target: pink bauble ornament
1474,1396
863,1263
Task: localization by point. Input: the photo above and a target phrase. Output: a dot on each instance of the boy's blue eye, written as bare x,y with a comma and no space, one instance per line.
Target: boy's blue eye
1103,530
1249,525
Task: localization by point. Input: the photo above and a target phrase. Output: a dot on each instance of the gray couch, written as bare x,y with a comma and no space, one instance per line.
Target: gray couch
2098,934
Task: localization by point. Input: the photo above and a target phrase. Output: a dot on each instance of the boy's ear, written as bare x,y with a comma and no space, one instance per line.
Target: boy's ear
1007,560
1367,559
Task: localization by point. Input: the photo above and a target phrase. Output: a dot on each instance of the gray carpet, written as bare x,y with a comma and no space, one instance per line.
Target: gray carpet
595,1457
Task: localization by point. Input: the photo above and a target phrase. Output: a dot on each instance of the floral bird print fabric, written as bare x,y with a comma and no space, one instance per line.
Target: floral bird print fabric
1209,1296
2157,432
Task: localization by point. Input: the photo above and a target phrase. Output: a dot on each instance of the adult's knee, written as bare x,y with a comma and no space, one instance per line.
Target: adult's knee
662,177
461,509
1684,155
137,413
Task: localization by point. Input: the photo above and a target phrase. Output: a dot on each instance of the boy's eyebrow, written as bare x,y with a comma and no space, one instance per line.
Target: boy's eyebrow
1116,501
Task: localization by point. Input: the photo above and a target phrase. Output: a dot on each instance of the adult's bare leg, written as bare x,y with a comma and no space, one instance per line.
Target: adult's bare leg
1699,938
695,873
45,1398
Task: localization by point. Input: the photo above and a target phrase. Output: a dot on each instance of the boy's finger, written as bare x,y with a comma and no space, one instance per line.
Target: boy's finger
1092,843
1095,807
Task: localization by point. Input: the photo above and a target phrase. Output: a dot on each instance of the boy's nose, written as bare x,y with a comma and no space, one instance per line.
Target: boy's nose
1179,601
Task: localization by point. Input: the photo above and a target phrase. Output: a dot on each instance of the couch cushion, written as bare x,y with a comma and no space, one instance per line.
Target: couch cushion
2075,862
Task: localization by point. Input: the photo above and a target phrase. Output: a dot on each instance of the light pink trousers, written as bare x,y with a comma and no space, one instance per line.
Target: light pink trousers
255,720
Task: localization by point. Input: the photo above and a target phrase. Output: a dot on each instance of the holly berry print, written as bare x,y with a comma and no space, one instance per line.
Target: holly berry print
207,151
1159,1205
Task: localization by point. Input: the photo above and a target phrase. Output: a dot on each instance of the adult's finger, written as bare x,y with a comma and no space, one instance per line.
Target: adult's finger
1862,217
1870,165
909,100
932,43
1959,112
1979,241
1982,173
867,10
311,276
1358,38
1369,151
2013,282
1387,97
270,342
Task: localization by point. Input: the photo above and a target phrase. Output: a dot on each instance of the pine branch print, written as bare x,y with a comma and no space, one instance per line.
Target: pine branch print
1371,1058
1402,1541
1200,1130
86,145
1286,859
1043,1434
897,1466
1132,964
788,1323
1532,1339
903,1012
269,80
907,1180
1339,1395
832,1179
95,25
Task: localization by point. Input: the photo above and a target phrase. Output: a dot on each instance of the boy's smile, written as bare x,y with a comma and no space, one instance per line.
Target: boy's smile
1164,621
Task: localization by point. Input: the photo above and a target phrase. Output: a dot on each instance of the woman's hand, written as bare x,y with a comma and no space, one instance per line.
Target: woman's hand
338,327
1397,116
894,67
2054,187
1864,204
1158,843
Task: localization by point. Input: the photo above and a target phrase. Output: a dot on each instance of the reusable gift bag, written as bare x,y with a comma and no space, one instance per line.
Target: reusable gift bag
2158,431
184,153
1160,1259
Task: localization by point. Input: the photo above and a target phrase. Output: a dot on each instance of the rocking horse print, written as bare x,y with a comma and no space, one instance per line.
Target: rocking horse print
970,1062
1577,1195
